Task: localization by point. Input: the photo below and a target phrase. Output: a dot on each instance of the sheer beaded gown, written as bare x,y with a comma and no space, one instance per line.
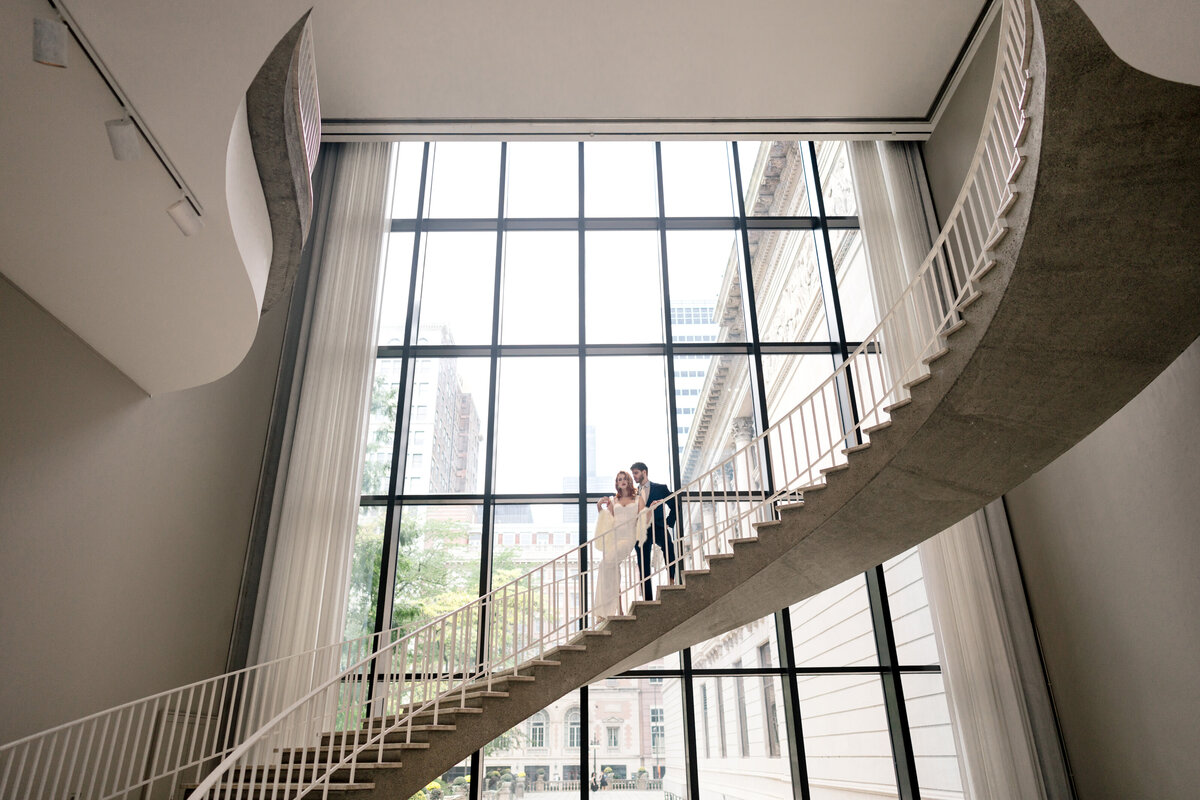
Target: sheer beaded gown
617,531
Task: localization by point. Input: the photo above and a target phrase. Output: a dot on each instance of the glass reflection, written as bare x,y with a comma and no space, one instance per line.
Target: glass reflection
846,741
457,288
742,738
540,756
364,572
437,562
704,268
698,179
543,179
627,418
837,187
933,744
854,284
787,286
541,287
406,190
397,274
636,738
834,628
537,446
773,179
447,426
455,165
381,427
620,179
624,287
912,621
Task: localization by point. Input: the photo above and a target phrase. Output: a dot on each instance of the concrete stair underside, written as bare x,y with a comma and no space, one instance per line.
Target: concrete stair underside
1096,289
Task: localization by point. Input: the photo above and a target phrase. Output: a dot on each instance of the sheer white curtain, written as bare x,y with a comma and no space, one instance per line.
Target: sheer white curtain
1003,724
317,508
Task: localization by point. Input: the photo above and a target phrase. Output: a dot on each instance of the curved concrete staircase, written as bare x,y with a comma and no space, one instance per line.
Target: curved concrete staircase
1089,288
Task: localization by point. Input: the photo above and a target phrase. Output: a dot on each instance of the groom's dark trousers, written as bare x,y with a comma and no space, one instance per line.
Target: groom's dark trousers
659,535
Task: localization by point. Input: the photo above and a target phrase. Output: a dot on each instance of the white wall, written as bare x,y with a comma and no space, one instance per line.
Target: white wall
123,520
949,148
1109,541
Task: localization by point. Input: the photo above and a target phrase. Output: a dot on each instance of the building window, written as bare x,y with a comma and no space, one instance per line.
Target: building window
658,730
537,730
614,737
770,711
572,720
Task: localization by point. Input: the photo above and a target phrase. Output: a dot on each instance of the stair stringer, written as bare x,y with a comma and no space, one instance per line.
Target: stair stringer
1096,291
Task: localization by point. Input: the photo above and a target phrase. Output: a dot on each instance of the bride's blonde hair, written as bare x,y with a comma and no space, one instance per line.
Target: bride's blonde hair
629,483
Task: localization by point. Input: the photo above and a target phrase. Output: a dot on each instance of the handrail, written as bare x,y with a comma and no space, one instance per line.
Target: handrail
356,697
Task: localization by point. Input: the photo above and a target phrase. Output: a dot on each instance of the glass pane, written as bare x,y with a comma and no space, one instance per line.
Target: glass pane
834,628
912,622
741,736
621,428
666,662
846,740
636,738
833,165
773,179
790,378
543,179
527,536
751,646
397,275
620,179
787,286
465,179
457,288
447,426
713,409
453,784
929,724
624,287
704,268
381,427
854,284
698,179
407,189
537,420
364,572
437,562
540,754
540,303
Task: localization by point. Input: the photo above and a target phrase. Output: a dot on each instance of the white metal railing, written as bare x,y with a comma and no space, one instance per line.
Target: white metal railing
308,720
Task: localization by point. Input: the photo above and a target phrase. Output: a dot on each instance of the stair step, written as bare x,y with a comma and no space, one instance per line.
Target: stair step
391,753
637,603
719,556
1025,94
567,648
1008,203
899,404
445,710
858,448
748,539
621,618
917,381
1017,166
969,299
701,571
398,736
834,468
302,772
955,328
273,791
671,587
986,268
812,487
874,429
996,238
1022,131
932,357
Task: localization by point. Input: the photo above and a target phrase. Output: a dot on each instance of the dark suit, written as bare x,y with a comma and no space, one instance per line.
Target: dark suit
659,534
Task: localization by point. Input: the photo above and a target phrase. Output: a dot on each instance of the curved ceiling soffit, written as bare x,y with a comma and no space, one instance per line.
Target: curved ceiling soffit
1157,37
283,117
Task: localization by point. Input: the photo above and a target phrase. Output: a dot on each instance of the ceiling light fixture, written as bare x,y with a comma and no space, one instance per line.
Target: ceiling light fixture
124,139
185,216
50,41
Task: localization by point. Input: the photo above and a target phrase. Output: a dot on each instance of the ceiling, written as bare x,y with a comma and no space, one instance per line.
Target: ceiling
88,237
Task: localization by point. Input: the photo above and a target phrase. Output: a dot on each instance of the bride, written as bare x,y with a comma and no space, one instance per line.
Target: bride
620,526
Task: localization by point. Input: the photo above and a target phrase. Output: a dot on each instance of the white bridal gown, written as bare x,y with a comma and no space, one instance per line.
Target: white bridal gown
616,534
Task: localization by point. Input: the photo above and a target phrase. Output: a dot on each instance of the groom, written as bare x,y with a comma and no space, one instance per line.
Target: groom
660,530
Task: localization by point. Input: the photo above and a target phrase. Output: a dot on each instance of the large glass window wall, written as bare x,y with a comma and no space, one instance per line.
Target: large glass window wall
552,312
